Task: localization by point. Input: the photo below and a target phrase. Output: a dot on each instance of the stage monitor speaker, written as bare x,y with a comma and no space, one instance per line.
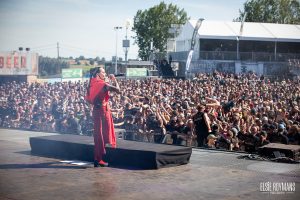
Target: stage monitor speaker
275,150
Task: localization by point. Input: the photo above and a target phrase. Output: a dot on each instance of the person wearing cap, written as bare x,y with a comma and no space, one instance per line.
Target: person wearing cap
211,141
279,136
98,96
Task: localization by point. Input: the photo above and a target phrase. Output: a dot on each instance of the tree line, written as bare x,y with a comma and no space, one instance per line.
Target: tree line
52,66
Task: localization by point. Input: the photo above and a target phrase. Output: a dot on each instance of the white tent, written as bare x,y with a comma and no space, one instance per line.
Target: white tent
231,31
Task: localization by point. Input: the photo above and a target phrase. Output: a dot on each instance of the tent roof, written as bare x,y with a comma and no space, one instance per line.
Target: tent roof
251,31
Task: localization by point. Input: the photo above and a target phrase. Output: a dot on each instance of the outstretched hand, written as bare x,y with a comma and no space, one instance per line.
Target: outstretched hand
112,77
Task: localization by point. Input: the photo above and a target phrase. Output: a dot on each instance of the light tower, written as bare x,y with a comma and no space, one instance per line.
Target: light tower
126,42
116,28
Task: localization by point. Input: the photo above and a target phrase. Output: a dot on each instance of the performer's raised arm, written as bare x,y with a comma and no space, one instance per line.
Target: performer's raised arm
115,87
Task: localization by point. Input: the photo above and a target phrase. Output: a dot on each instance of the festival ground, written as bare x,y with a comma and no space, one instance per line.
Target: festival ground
209,175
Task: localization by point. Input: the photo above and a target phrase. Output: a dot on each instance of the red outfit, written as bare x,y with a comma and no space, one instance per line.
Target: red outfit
104,132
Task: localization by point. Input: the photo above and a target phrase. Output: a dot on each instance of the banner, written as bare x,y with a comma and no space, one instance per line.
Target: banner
198,24
71,73
136,72
209,66
189,59
18,63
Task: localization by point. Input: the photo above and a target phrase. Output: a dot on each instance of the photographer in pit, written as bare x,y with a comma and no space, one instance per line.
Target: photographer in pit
154,124
130,122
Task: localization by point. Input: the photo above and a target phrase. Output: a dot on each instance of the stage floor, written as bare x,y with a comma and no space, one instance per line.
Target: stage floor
209,175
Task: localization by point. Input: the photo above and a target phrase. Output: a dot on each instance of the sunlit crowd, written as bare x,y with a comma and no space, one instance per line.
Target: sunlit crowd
241,112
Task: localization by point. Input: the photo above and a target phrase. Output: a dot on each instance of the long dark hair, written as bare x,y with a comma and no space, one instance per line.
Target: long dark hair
93,74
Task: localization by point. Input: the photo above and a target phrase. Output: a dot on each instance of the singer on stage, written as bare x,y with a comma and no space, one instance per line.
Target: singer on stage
98,96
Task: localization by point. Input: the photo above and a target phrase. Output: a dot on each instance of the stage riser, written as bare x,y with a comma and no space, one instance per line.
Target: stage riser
63,150
128,154
131,159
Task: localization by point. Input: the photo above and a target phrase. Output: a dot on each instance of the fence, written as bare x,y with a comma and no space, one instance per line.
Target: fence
232,55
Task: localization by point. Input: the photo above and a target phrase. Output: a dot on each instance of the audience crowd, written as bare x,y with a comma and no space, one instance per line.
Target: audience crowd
242,112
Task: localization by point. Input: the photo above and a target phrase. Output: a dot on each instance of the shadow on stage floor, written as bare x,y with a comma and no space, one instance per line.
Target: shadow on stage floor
57,165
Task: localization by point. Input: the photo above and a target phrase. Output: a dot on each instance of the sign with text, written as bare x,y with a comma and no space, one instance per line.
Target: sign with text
136,72
71,73
208,66
18,63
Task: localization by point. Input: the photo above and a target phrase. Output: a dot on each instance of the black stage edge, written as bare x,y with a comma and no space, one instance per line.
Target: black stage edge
128,154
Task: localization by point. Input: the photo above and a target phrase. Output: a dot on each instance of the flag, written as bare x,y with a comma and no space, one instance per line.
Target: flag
189,59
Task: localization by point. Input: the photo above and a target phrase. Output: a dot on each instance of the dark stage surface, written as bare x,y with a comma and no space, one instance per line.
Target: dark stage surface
209,175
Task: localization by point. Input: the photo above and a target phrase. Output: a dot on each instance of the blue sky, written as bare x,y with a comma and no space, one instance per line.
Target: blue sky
86,27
